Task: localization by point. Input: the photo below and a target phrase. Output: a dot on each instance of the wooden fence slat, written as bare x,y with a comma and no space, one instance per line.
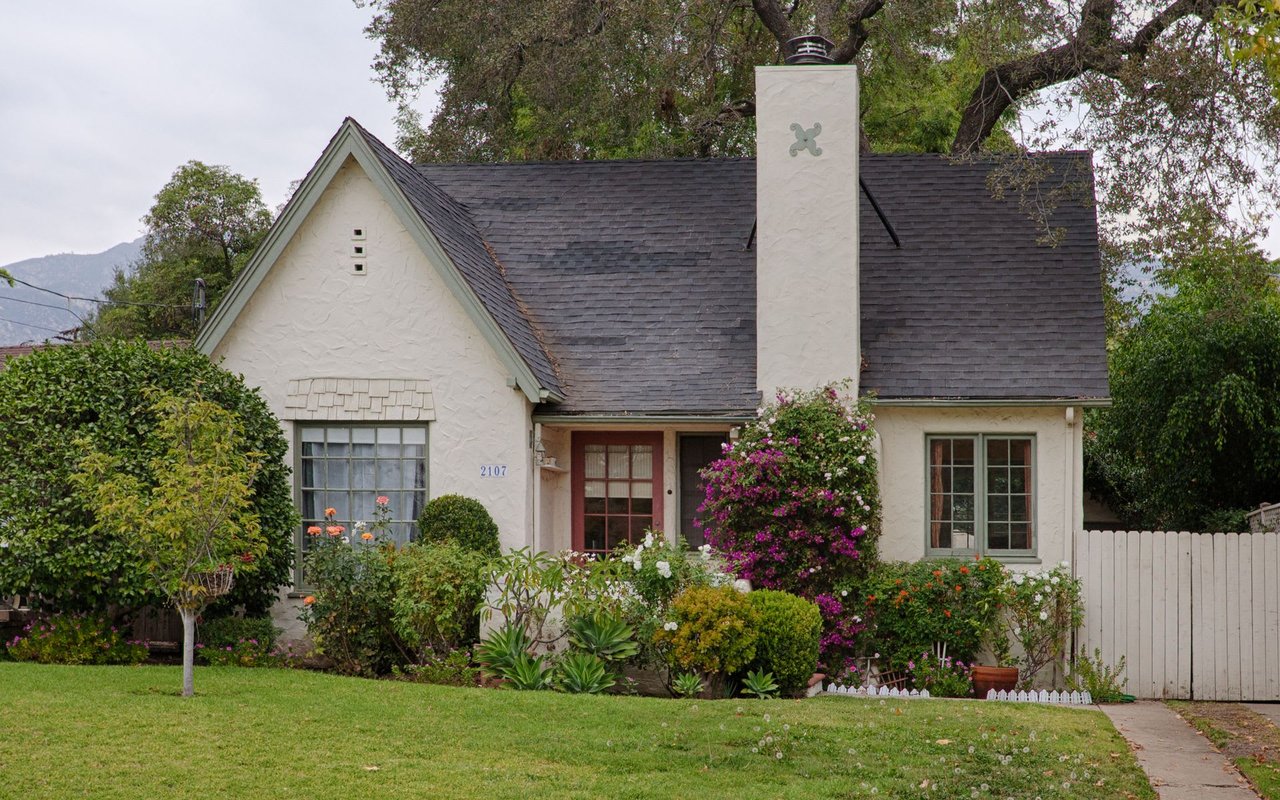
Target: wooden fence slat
1271,624
1146,614
1182,625
1227,689
1244,619
1201,612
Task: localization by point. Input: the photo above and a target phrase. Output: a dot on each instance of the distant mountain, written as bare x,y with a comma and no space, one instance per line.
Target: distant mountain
22,321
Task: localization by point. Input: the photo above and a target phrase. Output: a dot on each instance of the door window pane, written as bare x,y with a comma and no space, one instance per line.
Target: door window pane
617,486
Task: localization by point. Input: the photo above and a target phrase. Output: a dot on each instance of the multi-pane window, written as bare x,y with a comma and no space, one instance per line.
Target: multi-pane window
347,468
617,488
981,494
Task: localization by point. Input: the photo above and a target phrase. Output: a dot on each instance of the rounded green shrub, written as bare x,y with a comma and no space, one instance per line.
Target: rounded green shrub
452,517
59,403
438,589
230,631
711,630
789,635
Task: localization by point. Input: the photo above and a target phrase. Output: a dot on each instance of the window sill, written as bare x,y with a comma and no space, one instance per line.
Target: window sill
1003,559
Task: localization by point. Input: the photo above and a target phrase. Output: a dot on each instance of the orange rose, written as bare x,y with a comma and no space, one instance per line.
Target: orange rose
331,512
334,530
366,536
964,570
947,611
314,530
937,573
308,600
957,587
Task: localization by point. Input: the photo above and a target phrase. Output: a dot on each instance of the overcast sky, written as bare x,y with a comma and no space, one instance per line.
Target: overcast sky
101,101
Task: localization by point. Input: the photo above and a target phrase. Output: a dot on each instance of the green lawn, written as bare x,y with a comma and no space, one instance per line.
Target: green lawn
120,732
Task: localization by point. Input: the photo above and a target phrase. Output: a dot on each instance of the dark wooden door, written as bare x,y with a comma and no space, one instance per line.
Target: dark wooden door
696,452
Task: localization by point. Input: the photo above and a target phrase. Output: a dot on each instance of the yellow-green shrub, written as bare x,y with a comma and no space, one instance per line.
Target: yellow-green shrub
711,630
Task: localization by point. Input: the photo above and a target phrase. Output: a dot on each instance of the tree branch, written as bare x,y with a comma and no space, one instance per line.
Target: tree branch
776,21
1093,47
848,50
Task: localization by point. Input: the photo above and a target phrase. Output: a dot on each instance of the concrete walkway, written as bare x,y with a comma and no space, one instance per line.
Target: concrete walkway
1180,763
1269,710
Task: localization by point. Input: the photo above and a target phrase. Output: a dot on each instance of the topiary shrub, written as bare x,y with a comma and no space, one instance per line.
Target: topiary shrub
712,630
452,517
438,589
52,399
789,634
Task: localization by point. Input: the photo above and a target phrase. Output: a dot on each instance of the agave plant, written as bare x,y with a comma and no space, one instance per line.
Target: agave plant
687,684
583,673
606,637
504,647
528,673
760,683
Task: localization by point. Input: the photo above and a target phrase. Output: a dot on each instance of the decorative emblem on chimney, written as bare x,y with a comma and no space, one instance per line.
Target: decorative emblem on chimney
806,139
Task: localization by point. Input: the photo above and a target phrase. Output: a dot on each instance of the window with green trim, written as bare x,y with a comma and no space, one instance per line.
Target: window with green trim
981,495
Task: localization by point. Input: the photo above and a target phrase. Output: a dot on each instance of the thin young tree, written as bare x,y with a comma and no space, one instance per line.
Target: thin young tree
195,526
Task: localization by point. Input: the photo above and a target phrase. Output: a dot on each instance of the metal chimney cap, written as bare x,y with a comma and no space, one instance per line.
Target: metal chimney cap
809,50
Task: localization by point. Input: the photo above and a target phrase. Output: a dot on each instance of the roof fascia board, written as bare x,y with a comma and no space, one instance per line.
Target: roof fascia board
349,143
637,419
430,245
282,232
929,402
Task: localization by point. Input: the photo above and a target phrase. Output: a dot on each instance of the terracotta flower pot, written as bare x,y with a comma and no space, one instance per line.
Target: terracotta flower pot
986,678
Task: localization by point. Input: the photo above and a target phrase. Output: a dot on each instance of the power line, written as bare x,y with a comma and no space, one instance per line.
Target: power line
96,299
42,305
30,325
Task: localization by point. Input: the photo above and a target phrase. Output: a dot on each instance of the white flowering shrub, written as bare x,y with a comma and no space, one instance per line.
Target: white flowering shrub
1041,610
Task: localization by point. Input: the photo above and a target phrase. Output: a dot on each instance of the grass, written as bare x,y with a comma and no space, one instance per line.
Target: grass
121,732
1250,740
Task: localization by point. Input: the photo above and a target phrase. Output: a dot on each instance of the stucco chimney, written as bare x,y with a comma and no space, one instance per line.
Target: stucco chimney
807,226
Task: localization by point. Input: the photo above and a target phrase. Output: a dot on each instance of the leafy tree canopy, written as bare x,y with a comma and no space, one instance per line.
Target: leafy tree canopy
1193,437
205,223
1176,97
99,394
192,524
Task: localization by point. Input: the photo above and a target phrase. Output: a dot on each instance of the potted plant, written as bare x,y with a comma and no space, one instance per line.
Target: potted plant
1001,676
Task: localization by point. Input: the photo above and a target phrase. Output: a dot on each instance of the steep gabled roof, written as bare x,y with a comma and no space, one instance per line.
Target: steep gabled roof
443,229
640,278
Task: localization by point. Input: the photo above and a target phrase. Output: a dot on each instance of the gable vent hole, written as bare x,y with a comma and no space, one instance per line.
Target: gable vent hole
358,268
357,233
357,250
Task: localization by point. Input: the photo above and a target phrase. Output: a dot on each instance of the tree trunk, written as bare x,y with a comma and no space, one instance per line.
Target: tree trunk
188,651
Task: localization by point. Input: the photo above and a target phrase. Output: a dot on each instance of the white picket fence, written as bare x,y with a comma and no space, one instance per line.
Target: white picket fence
1053,698
1195,615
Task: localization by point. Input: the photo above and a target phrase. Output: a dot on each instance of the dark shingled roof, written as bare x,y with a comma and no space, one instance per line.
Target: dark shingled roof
637,276
455,229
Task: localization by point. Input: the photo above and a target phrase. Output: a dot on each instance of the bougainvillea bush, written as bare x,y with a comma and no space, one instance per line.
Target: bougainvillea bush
793,505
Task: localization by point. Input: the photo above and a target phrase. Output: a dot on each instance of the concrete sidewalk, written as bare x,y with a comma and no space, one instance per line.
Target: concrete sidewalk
1269,710
1180,763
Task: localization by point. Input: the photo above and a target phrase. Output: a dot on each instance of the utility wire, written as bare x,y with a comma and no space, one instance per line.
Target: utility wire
42,305
96,299
29,325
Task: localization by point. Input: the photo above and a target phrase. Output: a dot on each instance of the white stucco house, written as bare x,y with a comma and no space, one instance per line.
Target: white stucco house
570,342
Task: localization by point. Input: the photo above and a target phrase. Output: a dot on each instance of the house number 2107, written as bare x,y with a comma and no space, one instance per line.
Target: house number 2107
493,470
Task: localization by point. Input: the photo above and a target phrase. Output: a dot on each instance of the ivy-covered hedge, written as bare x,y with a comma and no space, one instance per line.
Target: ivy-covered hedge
53,398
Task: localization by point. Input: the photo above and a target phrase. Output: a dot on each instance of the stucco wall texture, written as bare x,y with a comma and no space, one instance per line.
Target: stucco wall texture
903,465
313,317
807,226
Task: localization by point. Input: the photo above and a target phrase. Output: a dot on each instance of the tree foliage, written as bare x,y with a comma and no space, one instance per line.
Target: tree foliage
205,223
99,393
1176,97
1193,437
194,519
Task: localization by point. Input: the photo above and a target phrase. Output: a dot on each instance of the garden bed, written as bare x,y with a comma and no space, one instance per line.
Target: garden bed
116,732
